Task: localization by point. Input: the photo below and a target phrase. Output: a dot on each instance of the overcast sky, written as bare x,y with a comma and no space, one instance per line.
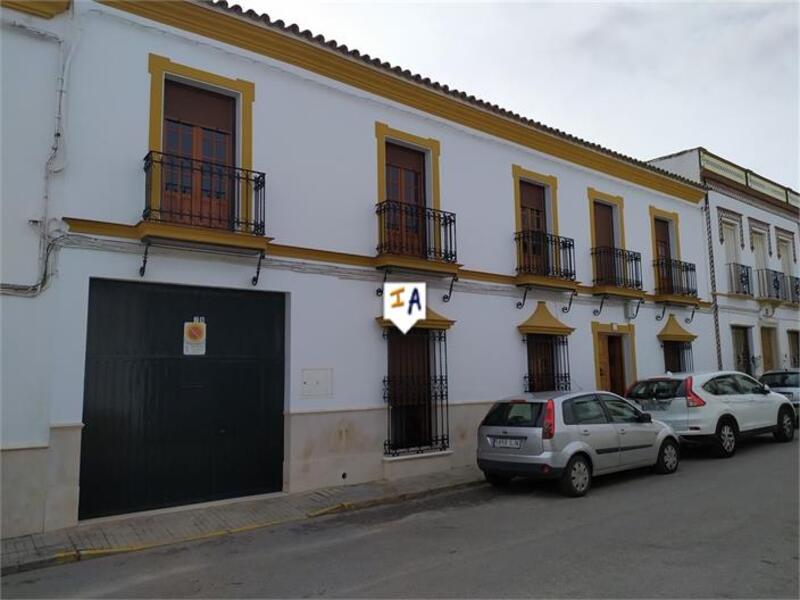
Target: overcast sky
645,79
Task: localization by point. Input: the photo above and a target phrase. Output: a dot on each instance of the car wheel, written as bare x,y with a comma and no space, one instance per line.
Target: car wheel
668,457
784,432
726,438
496,479
577,477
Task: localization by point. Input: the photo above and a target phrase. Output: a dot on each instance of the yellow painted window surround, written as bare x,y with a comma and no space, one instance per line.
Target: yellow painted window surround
674,219
162,68
518,174
628,330
47,9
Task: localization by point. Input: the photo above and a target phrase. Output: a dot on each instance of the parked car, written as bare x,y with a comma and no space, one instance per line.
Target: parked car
571,437
718,408
787,383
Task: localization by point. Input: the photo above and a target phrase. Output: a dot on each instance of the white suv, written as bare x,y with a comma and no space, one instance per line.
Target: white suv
719,407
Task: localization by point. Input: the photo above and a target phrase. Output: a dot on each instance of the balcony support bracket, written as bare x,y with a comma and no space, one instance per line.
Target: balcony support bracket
254,280
379,291
521,303
691,318
768,314
596,312
663,312
639,303
449,294
568,307
143,268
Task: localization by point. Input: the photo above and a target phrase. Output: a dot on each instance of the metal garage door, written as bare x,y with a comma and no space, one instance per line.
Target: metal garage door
163,428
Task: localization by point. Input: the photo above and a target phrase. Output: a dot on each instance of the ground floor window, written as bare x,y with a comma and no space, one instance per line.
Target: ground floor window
415,392
548,363
678,357
794,349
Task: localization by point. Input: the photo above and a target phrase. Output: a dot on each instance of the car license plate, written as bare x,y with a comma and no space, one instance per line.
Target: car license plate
514,443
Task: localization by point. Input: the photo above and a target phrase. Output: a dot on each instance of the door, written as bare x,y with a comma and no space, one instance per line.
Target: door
741,350
198,176
761,408
612,363
636,440
768,351
793,338
760,250
409,386
728,390
605,265
663,250
587,417
163,428
405,221
534,224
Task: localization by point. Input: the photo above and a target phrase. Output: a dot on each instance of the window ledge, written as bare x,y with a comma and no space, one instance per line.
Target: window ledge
420,455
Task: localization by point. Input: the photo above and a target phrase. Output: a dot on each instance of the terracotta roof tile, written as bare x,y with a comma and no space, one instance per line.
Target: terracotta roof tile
320,40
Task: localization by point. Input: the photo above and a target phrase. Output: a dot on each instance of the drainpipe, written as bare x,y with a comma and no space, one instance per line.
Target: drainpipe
47,244
713,276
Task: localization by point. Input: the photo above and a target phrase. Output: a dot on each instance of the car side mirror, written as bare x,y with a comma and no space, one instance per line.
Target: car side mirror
765,389
645,418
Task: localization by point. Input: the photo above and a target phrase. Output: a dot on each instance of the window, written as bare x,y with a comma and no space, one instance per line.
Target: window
619,410
548,363
794,348
515,414
722,386
678,357
585,410
415,391
748,385
787,379
660,389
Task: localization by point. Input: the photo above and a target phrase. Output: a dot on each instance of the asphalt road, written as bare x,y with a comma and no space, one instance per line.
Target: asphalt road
716,528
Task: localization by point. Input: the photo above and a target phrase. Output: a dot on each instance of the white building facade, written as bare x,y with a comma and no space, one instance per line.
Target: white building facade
753,228
198,208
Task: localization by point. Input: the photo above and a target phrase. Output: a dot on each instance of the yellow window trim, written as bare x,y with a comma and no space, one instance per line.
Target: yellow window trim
674,332
47,9
432,320
543,322
518,174
159,68
237,31
383,134
674,219
616,329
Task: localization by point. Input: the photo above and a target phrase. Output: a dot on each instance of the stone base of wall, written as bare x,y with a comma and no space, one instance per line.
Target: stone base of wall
40,485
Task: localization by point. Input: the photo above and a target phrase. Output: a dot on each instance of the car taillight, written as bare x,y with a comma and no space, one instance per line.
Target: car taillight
549,425
692,399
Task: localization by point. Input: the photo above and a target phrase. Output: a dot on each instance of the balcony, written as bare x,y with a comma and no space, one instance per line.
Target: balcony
617,270
195,200
794,289
416,237
675,278
772,285
545,259
740,279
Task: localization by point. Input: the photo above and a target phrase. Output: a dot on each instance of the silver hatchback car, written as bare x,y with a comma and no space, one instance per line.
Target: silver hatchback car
571,437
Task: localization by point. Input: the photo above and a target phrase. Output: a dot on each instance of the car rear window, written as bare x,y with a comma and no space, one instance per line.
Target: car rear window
781,380
515,414
660,389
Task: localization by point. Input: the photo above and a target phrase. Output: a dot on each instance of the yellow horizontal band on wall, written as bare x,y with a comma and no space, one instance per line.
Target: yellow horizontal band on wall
238,31
46,9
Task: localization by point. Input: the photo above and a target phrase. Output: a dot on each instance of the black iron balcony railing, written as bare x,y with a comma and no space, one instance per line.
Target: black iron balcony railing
794,289
195,192
416,231
740,279
546,255
418,418
675,277
617,267
773,285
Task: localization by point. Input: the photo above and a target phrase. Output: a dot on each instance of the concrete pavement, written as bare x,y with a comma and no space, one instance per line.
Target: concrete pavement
716,528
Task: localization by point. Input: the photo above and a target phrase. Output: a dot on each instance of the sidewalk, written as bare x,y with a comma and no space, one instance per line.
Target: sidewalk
132,533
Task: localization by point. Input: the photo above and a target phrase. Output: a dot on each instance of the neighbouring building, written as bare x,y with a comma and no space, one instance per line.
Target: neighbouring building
752,229
199,206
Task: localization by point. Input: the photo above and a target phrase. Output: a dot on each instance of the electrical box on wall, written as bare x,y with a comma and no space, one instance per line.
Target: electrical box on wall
317,383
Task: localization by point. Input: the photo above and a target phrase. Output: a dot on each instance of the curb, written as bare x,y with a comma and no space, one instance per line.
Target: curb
77,554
